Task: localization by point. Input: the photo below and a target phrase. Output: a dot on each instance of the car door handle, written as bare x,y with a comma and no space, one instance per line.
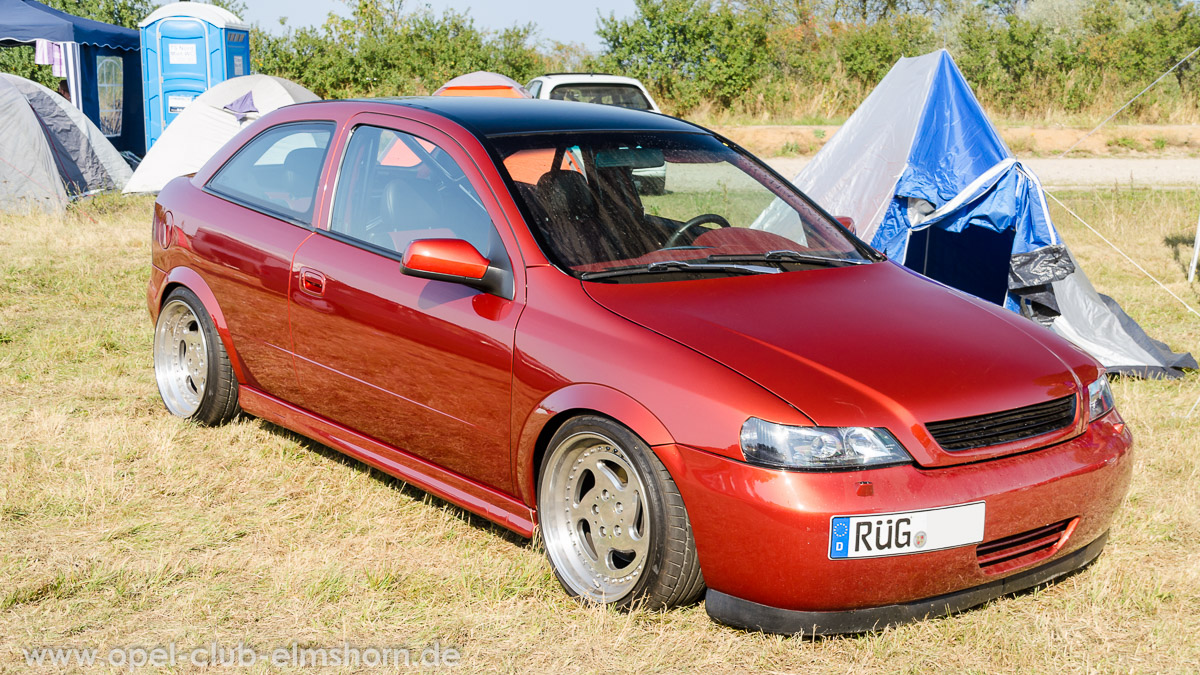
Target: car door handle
312,282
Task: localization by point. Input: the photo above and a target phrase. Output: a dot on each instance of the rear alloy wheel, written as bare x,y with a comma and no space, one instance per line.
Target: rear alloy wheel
615,527
194,376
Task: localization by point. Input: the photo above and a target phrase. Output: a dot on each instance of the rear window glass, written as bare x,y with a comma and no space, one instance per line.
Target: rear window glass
621,95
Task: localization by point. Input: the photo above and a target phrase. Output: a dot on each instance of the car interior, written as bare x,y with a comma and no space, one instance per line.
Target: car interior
583,220
389,199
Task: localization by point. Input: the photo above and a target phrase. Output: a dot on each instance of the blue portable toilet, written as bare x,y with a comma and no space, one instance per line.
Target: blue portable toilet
187,47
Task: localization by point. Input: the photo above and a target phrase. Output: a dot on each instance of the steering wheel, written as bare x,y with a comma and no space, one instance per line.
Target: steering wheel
677,235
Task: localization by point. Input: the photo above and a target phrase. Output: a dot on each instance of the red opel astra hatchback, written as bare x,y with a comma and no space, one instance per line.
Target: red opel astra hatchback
474,296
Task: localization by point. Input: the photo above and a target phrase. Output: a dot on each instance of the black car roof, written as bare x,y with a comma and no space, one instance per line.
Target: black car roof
492,116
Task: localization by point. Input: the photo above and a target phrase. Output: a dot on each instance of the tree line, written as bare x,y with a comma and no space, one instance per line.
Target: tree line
779,60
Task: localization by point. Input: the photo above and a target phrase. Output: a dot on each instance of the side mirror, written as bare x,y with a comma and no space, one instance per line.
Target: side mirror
453,260
847,222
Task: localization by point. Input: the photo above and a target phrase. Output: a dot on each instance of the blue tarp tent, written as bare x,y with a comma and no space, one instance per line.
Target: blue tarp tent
927,179
103,65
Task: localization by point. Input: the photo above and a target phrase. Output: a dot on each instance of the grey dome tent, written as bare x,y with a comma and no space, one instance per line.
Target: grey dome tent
927,179
50,151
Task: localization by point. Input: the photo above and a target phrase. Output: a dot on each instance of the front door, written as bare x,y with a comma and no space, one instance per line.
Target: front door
425,366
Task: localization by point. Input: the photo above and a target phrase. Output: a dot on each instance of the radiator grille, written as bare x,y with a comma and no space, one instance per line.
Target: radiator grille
981,431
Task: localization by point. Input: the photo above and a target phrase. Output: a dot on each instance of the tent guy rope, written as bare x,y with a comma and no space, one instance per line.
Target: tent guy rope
1130,101
1123,254
1132,262
1195,245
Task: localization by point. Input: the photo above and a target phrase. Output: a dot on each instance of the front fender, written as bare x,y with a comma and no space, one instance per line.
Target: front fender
190,279
582,397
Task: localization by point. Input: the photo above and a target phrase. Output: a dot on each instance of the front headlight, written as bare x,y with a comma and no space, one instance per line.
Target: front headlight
1100,399
787,447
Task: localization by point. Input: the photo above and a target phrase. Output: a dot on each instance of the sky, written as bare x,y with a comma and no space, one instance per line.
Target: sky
559,20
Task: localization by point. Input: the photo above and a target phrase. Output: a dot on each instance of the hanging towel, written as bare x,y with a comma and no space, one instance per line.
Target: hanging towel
47,53
41,52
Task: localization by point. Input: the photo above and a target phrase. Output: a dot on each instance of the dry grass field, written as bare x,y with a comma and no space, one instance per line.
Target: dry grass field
123,526
1041,138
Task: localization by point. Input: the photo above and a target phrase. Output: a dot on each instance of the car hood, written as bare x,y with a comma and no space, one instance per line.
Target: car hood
868,345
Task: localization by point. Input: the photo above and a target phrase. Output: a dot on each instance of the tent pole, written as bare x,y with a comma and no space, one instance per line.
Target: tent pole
1195,254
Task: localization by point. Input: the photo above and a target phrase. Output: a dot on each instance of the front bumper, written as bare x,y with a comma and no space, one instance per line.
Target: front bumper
749,615
763,535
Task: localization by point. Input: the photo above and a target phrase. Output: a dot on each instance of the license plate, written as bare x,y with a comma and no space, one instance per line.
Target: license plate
886,534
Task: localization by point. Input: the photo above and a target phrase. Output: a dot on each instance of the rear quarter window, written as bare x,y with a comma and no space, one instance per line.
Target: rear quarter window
277,172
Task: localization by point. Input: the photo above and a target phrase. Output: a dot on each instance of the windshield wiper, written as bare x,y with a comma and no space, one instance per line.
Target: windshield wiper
785,256
667,266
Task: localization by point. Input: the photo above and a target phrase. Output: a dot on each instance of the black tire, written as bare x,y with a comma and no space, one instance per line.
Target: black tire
195,378
661,568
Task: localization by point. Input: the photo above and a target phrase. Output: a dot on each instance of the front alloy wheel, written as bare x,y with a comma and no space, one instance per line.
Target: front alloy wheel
615,528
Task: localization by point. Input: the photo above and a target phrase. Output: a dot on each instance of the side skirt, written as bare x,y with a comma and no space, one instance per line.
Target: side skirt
479,499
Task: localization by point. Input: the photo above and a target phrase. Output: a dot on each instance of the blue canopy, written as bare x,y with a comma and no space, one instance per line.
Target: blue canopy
26,21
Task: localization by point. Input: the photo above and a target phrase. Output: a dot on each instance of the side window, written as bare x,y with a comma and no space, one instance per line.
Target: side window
277,171
394,188
534,88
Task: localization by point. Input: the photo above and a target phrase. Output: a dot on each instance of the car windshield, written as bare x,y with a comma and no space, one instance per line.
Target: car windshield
647,207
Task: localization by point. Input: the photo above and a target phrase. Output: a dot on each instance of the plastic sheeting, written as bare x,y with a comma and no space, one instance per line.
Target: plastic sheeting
1098,324
928,181
207,124
1030,276
855,174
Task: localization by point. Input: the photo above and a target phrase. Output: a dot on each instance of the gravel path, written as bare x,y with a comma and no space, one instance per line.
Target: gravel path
1083,172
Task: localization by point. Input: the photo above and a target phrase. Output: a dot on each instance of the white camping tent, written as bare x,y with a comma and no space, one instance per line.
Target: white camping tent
208,122
928,181
49,151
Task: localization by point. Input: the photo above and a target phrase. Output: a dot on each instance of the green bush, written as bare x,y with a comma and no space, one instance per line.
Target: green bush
382,51
868,52
688,51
